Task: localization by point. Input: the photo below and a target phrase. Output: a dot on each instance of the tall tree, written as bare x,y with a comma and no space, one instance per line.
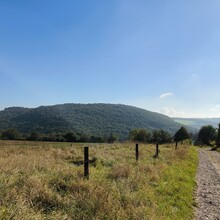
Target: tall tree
206,135
112,138
180,135
141,135
11,134
34,136
218,137
70,137
161,137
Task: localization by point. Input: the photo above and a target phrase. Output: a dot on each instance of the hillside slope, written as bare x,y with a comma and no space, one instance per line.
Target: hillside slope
198,122
93,119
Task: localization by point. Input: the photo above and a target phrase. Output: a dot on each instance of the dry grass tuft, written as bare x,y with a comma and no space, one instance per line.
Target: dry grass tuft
120,171
181,153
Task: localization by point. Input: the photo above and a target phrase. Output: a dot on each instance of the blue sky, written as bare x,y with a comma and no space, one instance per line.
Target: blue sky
162,56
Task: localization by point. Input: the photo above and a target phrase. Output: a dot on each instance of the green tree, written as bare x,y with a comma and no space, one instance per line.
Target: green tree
206,135
83,138
11,134
180,135
161,137
141,135
218,137
95,139
112,138
34,136
133,135
70,137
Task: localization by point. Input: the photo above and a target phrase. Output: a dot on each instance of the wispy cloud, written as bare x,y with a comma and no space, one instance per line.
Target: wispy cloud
172,112
215,108
195,78
165,95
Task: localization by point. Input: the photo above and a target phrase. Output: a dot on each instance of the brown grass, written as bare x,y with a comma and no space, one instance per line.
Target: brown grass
40,181
120,171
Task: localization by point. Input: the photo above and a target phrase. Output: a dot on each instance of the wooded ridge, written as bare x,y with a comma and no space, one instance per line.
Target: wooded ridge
92,119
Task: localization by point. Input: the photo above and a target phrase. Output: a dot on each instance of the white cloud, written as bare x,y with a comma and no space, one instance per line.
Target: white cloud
215,108
165,95
171,112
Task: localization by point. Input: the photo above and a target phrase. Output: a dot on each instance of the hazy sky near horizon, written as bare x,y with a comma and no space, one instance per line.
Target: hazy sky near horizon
162,56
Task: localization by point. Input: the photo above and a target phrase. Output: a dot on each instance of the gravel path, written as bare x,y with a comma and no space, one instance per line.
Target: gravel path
208,181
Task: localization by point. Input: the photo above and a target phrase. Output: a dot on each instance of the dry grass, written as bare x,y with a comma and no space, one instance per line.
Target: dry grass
120,171
40,181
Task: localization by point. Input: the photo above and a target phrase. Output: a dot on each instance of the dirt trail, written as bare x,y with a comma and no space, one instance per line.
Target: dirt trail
208,181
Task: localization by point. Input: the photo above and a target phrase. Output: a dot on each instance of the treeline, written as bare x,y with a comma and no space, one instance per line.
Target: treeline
159,136
138,135
13,134
207,135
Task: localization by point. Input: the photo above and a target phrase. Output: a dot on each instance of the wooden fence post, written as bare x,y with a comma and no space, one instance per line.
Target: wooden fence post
137,152
157,151
86,162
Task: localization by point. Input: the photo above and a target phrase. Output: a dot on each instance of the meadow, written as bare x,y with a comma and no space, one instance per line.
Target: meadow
46,181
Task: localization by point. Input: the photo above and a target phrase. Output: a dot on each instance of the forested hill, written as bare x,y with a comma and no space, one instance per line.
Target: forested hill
92,119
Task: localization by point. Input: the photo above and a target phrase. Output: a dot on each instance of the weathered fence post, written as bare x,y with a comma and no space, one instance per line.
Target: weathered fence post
176,146
86,162
137,152
157,151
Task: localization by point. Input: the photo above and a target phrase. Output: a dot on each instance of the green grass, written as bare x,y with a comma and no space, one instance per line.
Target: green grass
40,181
218,150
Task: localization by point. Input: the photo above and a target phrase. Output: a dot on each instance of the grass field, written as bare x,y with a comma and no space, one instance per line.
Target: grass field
40,181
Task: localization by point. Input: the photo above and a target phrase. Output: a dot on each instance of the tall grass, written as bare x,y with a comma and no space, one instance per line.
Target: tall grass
42,181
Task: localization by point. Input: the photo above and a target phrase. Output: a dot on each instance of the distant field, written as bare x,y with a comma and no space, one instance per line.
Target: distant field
184,122
40,181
